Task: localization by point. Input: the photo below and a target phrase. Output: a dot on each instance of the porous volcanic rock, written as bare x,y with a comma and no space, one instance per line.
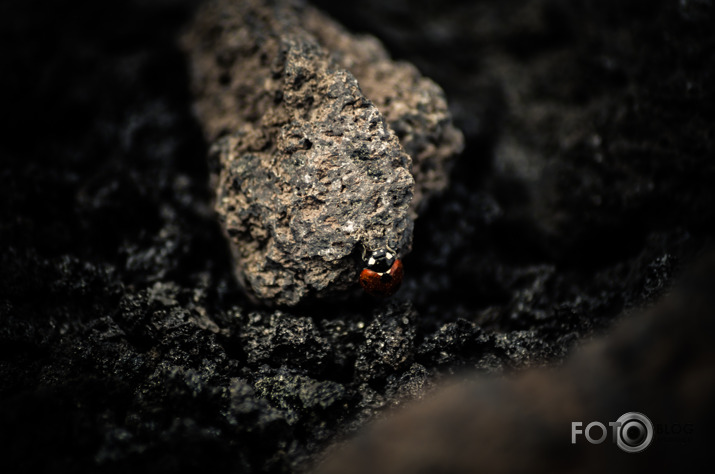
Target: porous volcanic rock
654,362
308,169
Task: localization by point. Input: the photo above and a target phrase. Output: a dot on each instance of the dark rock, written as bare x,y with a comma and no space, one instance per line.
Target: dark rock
310,174
413,384
656,363
298,396
388,344
285,339
452,343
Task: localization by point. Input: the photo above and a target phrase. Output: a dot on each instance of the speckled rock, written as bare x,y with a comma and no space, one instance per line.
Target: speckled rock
654,362
309,171
388,345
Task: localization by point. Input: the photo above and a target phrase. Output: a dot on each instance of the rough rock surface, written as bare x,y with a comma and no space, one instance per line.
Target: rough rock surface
127,346
658,362
310,173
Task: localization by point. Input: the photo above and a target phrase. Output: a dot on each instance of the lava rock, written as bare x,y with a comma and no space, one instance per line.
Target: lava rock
655,362
388,345
284,338
309,172
299,396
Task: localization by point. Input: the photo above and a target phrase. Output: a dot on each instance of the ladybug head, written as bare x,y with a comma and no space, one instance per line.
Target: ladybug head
380,260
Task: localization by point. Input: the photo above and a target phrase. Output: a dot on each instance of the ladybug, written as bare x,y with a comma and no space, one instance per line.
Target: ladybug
383,274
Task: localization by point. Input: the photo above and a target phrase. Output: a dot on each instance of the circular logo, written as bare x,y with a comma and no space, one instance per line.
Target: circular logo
634,433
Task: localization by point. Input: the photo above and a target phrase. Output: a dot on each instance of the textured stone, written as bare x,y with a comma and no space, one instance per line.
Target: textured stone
309,172
657,362
388,345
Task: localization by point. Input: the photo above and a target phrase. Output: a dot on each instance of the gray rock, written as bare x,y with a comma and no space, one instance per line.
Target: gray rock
308,169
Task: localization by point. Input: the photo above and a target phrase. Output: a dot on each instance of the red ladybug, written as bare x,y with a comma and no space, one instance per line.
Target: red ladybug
383,274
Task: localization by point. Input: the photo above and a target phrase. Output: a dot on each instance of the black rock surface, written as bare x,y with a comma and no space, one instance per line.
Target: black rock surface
125,344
